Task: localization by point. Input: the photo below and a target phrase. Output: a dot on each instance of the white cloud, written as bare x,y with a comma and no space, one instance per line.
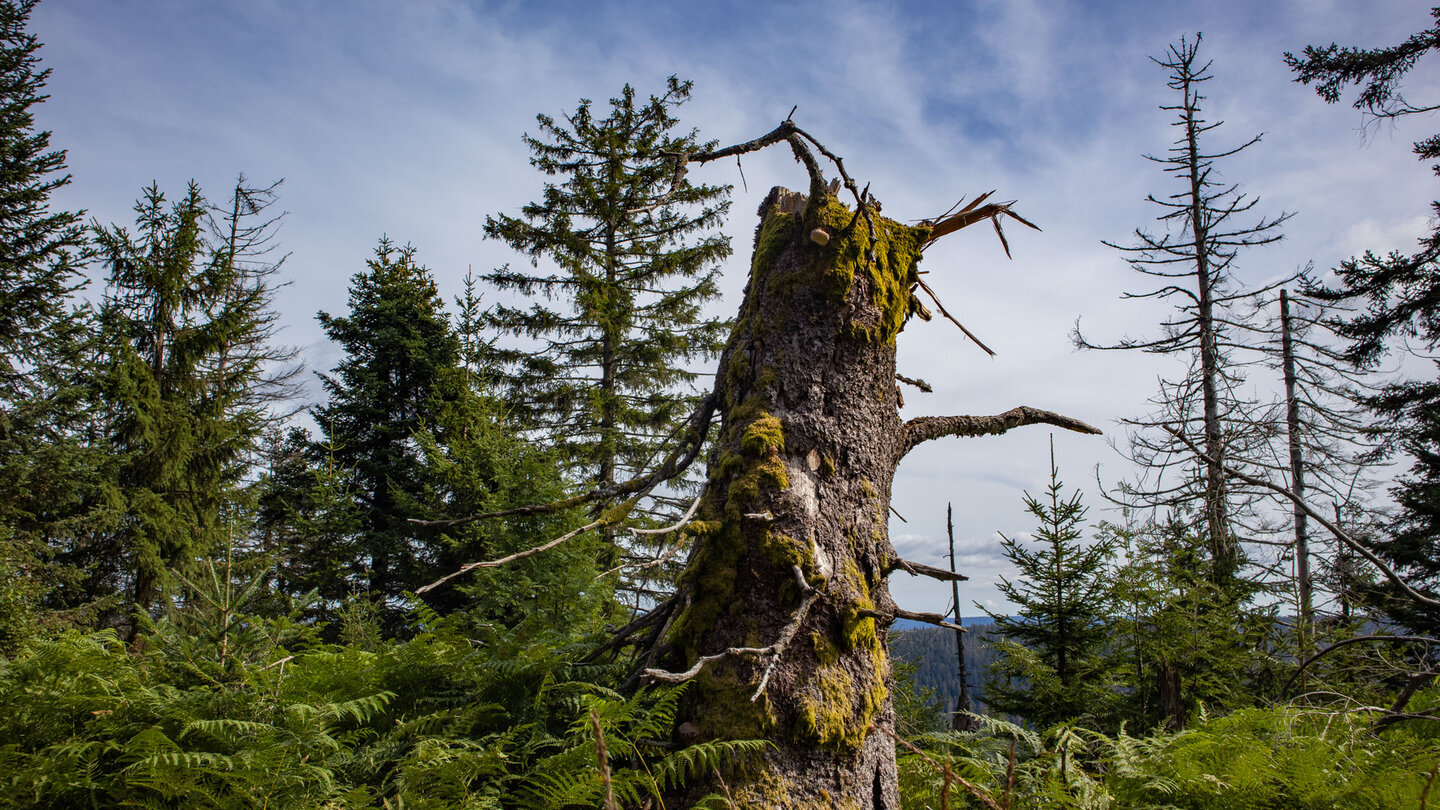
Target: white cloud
405,119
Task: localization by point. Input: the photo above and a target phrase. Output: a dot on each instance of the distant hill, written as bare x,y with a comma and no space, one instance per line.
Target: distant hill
911,624
933,649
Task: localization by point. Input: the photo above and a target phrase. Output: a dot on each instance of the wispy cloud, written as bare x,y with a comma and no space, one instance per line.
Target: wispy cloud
405,119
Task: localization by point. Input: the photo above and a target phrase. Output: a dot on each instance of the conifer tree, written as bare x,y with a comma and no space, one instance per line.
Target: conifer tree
1054,664
1186,641
46,469
399,366
1400,297
409,434
618,310
190,376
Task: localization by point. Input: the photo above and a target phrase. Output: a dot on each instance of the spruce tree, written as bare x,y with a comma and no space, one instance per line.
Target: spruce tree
1054,664
46,467
409,434
189,379
616,319
1192,263
1398,297
398,367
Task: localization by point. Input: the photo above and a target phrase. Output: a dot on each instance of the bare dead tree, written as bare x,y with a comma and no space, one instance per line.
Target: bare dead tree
962,719
779,621
1192,262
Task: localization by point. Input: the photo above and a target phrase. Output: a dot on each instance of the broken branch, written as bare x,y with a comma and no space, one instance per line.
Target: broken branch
917,382
924,428
941,307
901,613
915,569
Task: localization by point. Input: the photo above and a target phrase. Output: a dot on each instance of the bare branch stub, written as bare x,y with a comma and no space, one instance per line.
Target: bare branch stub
916,569
925,428
917,382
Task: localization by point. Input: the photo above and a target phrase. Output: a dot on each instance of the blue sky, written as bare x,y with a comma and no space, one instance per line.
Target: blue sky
404,119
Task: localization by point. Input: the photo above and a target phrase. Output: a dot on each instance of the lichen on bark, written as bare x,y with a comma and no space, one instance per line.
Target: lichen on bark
803,458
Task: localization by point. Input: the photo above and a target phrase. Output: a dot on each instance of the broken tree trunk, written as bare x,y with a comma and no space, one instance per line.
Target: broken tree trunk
780,618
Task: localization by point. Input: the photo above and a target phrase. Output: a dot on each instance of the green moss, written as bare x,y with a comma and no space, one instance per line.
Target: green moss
825,652
763,436
785,551
776,231
827,466
765,792
890,264
735,716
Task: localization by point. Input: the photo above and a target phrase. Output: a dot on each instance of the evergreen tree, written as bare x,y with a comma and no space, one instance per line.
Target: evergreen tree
408,433
1054,664
306,521
633,252
398,368
1400,295
187,383
46,467
1186,642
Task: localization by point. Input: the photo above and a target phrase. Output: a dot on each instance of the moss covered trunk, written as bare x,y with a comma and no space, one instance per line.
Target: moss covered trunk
800,478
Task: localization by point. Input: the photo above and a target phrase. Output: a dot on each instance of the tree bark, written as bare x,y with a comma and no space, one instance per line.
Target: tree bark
1297,481
777,629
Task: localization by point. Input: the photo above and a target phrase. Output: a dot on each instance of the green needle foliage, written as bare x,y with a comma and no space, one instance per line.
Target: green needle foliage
1055,663
631,252
408,433
397,374
189,378
1396,298
47,469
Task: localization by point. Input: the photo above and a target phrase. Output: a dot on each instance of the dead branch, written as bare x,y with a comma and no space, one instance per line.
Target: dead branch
917,382
1354,640
608,519
800,142
924,428
669,551
661,611
679,524
915,569
1392,719
1315,516
951,318
973,213
773,652
901,613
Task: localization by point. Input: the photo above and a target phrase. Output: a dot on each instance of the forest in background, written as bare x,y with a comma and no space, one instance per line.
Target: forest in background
432,588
